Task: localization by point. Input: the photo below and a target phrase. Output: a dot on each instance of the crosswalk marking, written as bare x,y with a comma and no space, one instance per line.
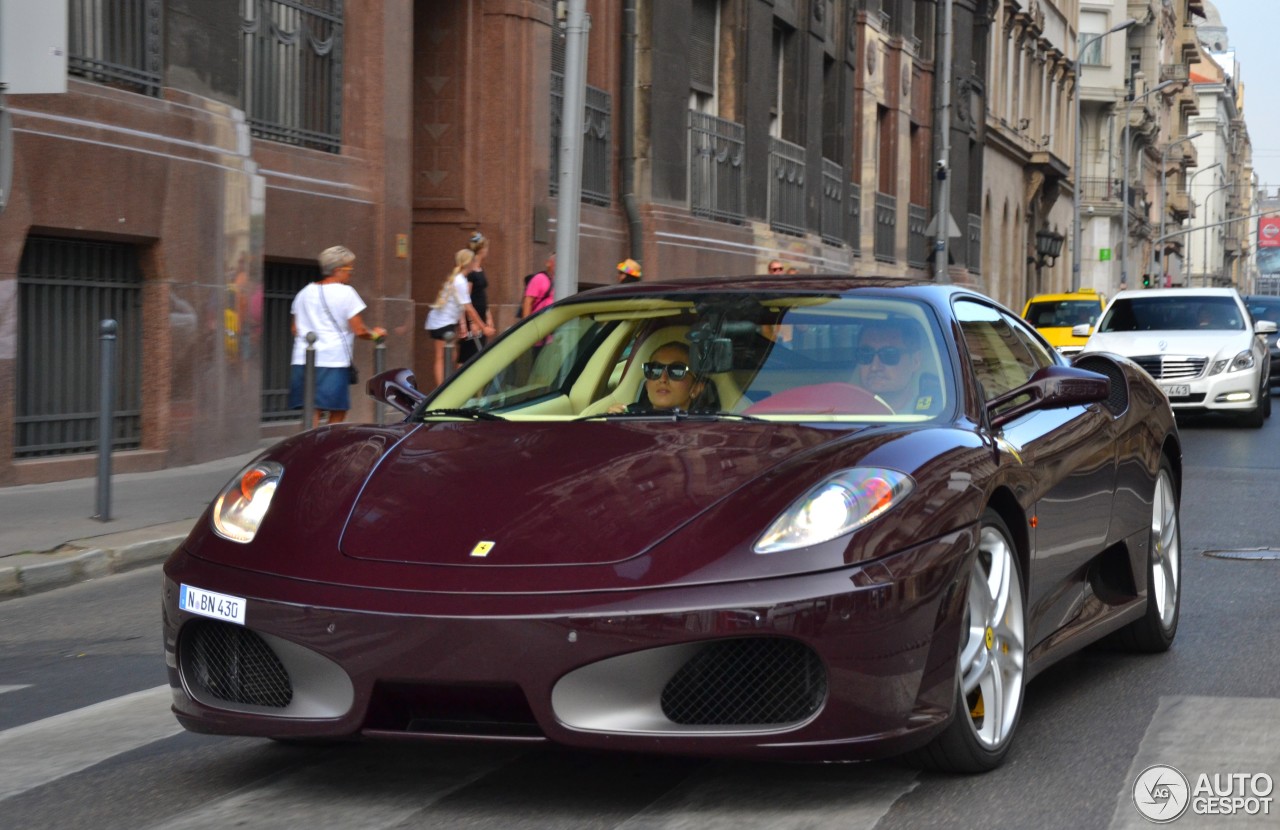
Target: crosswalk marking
1206,735
40,752
743,797
336,795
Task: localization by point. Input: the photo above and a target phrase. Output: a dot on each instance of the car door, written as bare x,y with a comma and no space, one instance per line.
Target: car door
1063,460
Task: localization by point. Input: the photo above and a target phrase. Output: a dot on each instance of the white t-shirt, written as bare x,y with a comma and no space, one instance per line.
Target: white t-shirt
309,315
450,312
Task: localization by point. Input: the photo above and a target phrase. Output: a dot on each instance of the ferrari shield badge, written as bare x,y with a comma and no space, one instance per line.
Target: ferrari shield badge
482,549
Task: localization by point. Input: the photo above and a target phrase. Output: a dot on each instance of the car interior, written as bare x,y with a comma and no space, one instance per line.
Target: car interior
746,350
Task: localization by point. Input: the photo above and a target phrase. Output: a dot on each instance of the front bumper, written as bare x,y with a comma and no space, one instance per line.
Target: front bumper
1224,392
846,664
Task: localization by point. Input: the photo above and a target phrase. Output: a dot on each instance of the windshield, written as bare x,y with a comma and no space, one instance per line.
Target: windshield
739,355
1068,313
1173,313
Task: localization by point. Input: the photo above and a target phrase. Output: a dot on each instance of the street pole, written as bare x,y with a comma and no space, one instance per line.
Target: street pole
1124,185
942,218
1075,170
1164,196
569,200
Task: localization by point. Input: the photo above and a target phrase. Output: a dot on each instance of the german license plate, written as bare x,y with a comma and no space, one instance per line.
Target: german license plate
211,604
1178,390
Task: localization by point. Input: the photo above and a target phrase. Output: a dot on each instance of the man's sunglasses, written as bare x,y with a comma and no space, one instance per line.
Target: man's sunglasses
889,355
676,371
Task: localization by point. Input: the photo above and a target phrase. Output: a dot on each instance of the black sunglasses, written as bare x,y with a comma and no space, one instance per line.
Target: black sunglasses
676,371
889,355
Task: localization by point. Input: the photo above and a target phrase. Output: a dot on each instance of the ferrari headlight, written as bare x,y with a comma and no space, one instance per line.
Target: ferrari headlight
242,504
844,502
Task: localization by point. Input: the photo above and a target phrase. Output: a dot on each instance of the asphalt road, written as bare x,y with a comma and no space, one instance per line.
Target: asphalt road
85,741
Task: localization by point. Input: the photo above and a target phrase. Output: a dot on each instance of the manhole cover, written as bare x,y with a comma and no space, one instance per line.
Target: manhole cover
1254,554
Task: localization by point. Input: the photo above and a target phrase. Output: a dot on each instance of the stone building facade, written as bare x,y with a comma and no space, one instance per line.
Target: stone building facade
192,179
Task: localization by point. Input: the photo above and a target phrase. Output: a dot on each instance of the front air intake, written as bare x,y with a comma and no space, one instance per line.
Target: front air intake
747,682
233,664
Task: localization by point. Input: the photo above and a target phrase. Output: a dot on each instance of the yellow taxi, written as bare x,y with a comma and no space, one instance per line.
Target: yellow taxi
1054,315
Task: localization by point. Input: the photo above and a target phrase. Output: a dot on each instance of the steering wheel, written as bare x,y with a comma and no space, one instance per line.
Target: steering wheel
821,399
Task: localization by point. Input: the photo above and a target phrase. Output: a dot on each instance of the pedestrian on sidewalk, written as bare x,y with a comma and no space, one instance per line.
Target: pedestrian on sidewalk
476,339
330,308
452,312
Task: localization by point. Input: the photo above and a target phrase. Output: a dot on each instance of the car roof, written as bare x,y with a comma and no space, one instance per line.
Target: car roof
808,283
1082,294
1176,292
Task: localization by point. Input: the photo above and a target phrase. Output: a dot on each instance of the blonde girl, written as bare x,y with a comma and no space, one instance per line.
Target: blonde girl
452,309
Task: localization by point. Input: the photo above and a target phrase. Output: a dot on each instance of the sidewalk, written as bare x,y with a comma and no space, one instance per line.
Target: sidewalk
48,537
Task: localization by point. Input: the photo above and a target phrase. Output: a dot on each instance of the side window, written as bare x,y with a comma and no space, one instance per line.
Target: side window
1036,351
1001,359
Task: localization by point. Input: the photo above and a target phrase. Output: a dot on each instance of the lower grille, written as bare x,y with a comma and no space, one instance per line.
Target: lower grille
231,663
757,681
1170,367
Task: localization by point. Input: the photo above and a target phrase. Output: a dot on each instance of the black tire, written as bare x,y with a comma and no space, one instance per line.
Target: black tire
972,741
1154,633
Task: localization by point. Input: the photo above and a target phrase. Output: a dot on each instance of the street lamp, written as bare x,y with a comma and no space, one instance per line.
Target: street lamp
1204,257
1075,202
1164,195
1048,247
1124,184
1191,194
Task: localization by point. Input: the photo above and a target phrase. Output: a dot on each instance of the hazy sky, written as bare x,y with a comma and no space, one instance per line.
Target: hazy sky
1253,31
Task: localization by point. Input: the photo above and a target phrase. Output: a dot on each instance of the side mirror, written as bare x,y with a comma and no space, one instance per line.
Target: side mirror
1264,327
397,388
1081,330
1052,387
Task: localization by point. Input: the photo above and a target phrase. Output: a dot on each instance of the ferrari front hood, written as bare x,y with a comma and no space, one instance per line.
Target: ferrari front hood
554,494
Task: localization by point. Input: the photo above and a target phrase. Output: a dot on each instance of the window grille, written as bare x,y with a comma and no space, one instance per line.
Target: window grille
66,288
280,284
292,71
115,43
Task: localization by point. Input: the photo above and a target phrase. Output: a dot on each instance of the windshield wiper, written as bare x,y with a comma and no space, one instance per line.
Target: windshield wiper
462,412
674,415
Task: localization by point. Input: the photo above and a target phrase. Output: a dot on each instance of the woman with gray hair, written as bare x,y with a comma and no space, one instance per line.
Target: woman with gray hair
330,308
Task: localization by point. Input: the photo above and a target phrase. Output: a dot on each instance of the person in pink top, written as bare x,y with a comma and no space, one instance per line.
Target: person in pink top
539,293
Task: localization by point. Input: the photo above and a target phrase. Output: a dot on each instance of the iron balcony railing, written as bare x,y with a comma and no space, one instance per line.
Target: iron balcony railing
854,231
834,227
975,243
291,73
886,226
597,126
716,181
66,288
917,242
786,187
115,42
1096,189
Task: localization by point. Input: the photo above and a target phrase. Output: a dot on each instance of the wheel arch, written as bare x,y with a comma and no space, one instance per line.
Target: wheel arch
1006,504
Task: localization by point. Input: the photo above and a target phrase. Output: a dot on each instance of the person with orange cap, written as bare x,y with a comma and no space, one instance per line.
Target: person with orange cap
629,271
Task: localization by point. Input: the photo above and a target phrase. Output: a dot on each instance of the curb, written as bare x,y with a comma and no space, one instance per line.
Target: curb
33,573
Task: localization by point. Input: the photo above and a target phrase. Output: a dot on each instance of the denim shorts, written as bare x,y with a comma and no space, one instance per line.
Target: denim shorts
333,392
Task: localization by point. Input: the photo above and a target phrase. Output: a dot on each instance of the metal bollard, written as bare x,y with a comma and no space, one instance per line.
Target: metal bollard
106,417
379,364
309,383
449,337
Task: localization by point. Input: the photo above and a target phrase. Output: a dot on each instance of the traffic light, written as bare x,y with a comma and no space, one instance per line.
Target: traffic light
1146,280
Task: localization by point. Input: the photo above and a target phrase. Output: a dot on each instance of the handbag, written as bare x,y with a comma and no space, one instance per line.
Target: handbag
353,374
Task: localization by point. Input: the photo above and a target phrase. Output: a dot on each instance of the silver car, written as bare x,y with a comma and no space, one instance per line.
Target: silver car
1200,344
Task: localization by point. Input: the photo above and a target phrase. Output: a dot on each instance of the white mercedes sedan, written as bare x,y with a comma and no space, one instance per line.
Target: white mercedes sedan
1200,344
